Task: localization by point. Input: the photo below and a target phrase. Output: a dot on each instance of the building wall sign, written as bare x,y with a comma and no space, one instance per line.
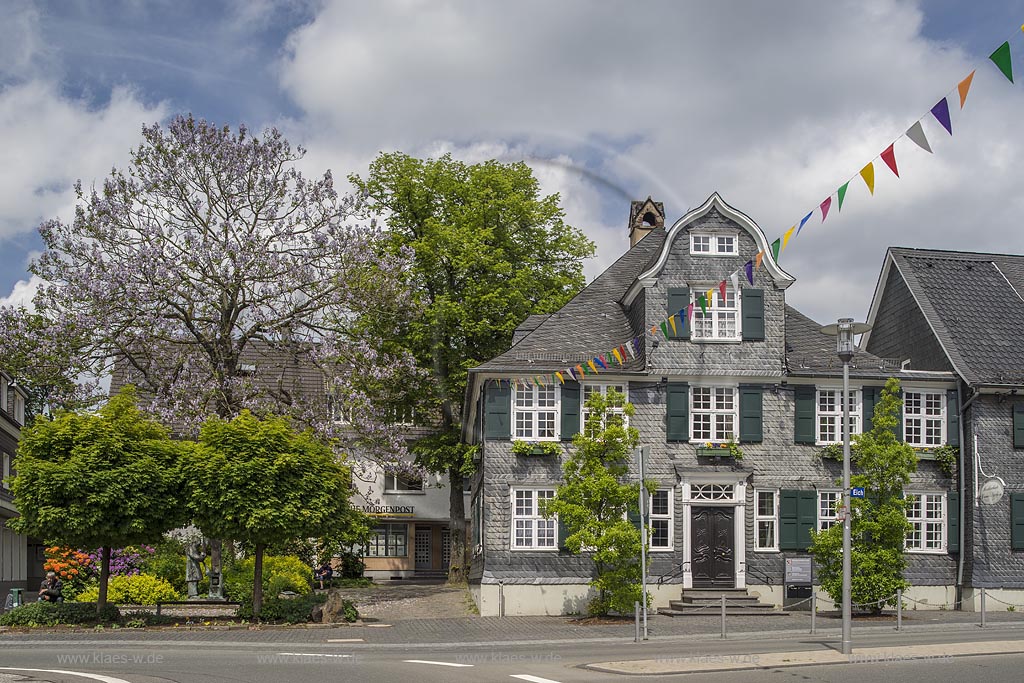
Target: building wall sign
388,510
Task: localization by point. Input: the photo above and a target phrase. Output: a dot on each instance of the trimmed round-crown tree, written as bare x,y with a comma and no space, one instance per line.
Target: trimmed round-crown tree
106,479
260,481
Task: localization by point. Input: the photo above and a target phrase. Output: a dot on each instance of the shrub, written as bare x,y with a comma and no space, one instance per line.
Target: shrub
280,573
350,565
73,567
54,613
123,561
168,563
139,589
295,610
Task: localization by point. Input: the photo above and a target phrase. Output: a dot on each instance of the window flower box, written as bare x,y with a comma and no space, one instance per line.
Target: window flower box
719,450
536,448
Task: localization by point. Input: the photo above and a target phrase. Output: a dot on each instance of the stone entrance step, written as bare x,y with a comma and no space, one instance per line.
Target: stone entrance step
708,601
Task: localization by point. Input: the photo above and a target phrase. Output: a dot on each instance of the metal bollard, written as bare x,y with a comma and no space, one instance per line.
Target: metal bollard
501,598
723,616
814,609
899,609
636,620
983,608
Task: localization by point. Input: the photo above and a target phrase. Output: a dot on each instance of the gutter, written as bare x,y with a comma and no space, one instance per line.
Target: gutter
962,488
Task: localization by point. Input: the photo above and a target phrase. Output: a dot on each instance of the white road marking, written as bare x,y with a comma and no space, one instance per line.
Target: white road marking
95,677
533,679
345,640
308,654
427,661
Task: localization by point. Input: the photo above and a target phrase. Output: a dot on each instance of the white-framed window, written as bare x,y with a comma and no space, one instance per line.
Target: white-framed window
660,516
535,413
589,389
830,414
388,540
5,472
19,408
924,417
714,413
402,483
530,528
828,504
926,513
766,519
721,320
714,245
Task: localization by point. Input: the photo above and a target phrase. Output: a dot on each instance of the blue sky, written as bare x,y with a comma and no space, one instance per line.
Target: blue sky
773,105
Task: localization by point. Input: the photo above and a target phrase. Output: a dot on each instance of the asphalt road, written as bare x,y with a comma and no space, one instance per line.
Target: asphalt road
82,660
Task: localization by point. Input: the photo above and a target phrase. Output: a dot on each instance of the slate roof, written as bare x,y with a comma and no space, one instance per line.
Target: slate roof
592,322
973,304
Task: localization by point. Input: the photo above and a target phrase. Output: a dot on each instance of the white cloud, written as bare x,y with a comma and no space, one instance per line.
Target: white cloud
773,106
22,294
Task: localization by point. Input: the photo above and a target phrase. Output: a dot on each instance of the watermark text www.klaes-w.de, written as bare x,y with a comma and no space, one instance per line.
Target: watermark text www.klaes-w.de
894,657
101,657
711,659
505,658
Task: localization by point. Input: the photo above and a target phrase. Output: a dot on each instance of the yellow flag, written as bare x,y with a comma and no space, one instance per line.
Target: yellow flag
561,379
785,238
672,324
618,356
592,366
868,174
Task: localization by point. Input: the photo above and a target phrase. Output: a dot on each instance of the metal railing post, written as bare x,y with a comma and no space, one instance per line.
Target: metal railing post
814,609
899,609
636,620
983,608
723,616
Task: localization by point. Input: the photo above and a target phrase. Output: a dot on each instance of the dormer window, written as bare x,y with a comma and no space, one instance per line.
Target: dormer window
713,245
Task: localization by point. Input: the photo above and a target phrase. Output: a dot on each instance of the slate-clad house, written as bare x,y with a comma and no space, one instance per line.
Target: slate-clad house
963,313
750,369
19,567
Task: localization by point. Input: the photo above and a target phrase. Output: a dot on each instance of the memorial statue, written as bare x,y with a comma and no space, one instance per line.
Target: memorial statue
195,554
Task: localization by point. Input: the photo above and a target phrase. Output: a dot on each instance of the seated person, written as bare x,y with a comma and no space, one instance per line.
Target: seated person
324,573
50,589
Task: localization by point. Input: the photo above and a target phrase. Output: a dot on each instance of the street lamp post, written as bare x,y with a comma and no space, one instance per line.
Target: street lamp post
844,331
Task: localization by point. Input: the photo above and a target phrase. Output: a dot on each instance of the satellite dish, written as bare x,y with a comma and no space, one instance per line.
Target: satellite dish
992,491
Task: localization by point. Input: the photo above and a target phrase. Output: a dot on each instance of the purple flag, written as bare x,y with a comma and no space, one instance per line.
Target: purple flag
749,267
941,113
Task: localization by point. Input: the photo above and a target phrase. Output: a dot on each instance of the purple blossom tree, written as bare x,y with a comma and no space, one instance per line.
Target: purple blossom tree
215,277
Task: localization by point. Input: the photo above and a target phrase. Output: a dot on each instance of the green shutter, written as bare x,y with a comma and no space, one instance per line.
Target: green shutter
634,517
952,418
953,528
570,410
1017,521
898,430
677,415
563,532
798,514
752,305
750,414
678,300
804,430
869,397
497,411
1018,425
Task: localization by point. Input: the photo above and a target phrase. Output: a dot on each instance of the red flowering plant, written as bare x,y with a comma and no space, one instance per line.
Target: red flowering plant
73,567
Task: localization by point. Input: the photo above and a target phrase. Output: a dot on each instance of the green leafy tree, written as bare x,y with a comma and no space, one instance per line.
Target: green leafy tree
595,503
261,482
107,479
487,251
878,525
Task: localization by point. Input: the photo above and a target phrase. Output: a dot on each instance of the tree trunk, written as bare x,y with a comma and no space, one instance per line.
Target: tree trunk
101,601
257,586
457,569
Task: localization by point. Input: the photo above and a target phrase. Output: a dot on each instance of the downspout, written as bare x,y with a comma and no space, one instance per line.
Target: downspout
962,531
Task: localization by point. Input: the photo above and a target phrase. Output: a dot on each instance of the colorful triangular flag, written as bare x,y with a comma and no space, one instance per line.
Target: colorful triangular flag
632,348
672,324
889,157
941,113
592,366
964,87
580,371
916,134
615,352
721,288
703,304
1001,58
757,260
749,268
868,174
842,193
775,248
601,361
824,206
785,239
735,277
711,296
804,220
664,329
689,313
561,379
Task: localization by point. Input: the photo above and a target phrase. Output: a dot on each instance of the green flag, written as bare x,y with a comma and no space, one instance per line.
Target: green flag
842,194
775,248
1001,58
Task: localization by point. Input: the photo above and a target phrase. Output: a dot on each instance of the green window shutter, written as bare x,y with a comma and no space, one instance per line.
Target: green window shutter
788,519
563,532
497,411
807,517
570,410
750,414
953,528
805,428
752,305
1017,521
677,416
869,397
634,517
898,431
952,418
678,300
1018,425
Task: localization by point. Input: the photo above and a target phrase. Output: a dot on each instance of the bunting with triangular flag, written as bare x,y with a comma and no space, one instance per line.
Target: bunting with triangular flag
785,239
917,136
941,113
1001,58
689,313
703,304
757,260
804,220
672,324
824,206
889,157
842,194
593,367
664,329
600,361
868,174
749,268
963,87
735,277
775,248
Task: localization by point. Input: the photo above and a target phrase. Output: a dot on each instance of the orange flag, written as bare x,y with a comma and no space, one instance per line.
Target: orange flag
964,86
757,260
868,174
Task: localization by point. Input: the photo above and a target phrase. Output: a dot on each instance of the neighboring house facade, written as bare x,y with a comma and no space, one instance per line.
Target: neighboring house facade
410,537
963,313
749,369
17,552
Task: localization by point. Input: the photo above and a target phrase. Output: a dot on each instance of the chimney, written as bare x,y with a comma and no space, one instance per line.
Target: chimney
644,216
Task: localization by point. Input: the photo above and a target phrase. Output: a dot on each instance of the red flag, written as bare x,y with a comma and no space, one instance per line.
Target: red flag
889,157
825,206
721,288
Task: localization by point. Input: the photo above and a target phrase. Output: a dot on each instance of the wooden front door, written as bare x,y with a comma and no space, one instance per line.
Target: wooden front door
712,557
